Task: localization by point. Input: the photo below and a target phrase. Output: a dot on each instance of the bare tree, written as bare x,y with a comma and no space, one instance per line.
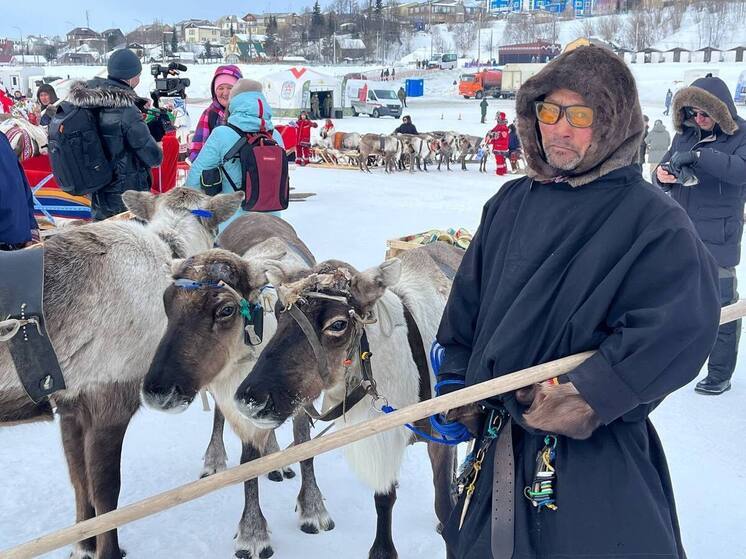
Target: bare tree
465,36
585,28
610,27
675,14
549,30
439,42
520,29
643,29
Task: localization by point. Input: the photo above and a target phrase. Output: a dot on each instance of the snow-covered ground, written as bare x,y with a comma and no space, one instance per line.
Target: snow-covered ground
350,218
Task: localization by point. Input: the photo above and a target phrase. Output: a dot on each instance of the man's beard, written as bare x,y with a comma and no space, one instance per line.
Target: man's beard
567,162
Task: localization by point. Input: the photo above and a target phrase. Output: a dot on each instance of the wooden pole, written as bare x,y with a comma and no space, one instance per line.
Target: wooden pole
261,466
353,433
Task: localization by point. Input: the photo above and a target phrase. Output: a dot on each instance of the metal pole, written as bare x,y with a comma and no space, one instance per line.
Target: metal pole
479,36
430,5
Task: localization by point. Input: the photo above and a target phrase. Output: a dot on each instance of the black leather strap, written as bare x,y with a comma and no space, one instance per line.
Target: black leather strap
503,496
21,293
300,317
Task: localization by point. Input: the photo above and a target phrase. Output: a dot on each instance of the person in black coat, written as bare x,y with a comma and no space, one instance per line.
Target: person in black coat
18,225
581,254
130,143
710,143
406,127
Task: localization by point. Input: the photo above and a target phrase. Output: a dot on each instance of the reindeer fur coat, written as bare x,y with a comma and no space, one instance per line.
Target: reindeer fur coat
601,260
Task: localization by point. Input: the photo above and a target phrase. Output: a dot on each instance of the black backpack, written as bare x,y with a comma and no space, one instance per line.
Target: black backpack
79,161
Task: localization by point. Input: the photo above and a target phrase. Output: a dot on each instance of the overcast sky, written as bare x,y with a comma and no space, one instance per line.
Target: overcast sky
56,17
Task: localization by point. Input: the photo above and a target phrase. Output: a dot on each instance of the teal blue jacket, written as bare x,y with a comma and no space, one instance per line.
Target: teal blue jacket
247,112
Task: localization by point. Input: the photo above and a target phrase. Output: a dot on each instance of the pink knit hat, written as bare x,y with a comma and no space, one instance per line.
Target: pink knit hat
225,78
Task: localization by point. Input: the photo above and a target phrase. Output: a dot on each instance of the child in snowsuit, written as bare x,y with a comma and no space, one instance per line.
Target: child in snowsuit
303,147
499,139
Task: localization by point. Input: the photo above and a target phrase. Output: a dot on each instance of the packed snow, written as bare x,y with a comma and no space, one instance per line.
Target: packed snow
350,218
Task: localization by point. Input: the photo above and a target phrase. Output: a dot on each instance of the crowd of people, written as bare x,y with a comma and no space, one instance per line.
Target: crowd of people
581,253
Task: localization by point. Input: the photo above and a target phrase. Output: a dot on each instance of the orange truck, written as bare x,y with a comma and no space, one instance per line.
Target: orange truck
486,82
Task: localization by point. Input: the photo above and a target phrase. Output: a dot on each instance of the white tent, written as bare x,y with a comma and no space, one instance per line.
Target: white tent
289,91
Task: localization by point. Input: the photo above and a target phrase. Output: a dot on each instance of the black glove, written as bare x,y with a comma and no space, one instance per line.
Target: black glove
157,129
683,158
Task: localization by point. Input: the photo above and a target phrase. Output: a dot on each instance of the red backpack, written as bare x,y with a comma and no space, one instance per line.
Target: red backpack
264,171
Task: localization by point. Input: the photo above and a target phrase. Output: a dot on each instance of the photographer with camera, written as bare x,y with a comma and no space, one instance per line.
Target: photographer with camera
129,143
222,82
705,172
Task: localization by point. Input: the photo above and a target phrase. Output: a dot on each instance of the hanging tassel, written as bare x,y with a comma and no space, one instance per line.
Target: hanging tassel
541,492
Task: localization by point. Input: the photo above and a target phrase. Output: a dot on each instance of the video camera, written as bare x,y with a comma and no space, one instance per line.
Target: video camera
169,84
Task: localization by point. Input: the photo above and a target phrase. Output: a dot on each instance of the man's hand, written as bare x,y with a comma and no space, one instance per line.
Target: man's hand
682,158
469,415
558,408
664,176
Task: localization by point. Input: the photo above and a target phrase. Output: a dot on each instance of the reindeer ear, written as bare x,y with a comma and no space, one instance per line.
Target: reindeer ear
141,204
223,206
369,286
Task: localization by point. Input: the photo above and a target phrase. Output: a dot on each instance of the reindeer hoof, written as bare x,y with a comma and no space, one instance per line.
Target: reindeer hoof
288,473
314,525
265,553
275,475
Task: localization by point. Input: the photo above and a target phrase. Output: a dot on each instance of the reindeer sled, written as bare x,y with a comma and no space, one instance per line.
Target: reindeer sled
337,150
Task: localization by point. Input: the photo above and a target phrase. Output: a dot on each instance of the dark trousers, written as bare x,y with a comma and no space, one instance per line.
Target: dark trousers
484,115
724,353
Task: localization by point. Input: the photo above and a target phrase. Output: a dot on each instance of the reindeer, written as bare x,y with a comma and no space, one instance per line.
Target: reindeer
467,145
206,345
324,316
387,147
103,285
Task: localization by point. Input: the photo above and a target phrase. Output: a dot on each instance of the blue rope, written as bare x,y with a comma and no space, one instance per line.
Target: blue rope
445,441
453,432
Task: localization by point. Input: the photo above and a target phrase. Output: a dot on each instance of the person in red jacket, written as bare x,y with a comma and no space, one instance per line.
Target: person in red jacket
303,147
6,102
499,139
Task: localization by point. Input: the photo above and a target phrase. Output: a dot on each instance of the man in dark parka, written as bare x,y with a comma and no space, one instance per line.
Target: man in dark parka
582,254
129,142
711,140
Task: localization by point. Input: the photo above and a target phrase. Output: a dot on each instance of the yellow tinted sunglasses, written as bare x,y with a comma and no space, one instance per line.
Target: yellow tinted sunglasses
579,116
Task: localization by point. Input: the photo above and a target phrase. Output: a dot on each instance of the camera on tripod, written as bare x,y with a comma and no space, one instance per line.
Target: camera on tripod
169,84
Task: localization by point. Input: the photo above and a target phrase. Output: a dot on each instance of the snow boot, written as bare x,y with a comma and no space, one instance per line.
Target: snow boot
712,387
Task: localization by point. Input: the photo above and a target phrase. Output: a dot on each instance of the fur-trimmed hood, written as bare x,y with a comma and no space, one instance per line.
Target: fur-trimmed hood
609,88
101,93
712,96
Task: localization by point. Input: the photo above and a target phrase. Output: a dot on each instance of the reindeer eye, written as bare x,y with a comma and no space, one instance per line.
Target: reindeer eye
227,311
337,326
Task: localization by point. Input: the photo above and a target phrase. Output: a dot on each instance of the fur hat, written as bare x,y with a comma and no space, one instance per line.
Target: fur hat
713,97
608,87
244,85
